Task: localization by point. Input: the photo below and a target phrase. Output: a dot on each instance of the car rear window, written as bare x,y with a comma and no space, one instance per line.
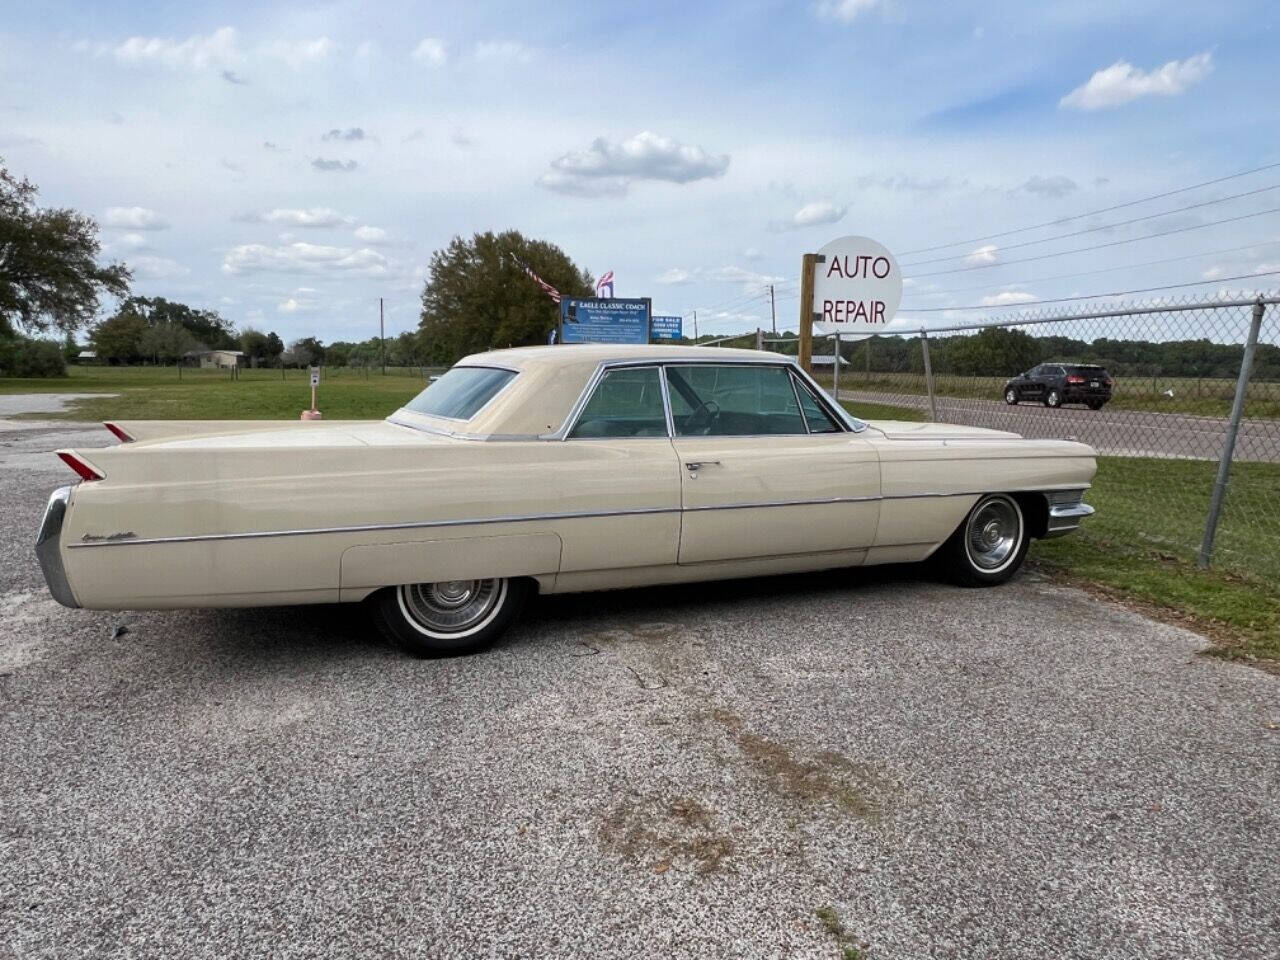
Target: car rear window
461,392
1089,371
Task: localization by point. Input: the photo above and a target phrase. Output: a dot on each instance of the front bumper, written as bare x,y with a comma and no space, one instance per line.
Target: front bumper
1066,517
49,547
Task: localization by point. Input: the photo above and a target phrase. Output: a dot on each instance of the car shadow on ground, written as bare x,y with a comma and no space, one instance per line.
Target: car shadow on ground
338,631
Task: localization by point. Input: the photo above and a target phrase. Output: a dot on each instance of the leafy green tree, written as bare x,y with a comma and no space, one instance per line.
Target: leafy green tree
207,326
304,353
119,337
24,357
275,347
994,352
49,270
477,298
167,342
256,346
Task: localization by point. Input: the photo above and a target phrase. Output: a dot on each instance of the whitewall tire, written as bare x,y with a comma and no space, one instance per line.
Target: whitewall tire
449,617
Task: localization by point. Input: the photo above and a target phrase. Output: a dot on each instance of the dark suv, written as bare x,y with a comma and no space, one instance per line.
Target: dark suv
1054,384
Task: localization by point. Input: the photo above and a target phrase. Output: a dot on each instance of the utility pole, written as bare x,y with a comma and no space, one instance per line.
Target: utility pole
695,326
773,311
382,339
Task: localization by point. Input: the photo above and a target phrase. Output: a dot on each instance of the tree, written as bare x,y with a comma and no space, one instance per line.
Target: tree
206,326
994,352
256,346
275,347
49,270
304,352
167,342
477,298
119,337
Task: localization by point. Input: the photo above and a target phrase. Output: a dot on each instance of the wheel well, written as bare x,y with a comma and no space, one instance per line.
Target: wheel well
1035,508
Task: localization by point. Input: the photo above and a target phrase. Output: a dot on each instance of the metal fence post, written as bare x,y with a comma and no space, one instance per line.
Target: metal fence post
835,382
759,339
1229,445
928,376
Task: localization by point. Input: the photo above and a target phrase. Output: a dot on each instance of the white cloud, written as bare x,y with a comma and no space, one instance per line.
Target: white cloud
846,10
132,241
679,275
751,253
811,215
1008,297
326,165
431,50
1267,268
1122,82
305,258
156,268
988,253
299,53
371,234
133,218
310,217
196,52
1213,273
608,168
1052,188
503,51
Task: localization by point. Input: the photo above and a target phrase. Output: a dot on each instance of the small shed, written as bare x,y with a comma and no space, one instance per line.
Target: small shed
217,359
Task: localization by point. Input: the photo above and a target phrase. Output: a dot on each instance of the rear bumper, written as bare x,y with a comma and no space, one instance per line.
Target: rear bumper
1066,517
49,547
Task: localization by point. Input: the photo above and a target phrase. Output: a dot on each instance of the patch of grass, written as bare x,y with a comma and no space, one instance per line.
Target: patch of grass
158,393
882,411
1142,543
832,923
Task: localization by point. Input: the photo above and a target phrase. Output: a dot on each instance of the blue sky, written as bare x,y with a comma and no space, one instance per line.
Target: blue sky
287,164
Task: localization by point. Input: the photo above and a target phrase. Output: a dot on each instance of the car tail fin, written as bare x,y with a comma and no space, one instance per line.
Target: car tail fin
123,435
81,466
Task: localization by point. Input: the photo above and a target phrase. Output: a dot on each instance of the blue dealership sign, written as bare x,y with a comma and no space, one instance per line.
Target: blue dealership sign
595,320
666,328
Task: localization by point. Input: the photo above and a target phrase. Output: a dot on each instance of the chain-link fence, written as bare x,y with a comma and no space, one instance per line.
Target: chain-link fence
1151,386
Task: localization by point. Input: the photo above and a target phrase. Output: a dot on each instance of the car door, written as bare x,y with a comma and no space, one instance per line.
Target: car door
765,469
1033,388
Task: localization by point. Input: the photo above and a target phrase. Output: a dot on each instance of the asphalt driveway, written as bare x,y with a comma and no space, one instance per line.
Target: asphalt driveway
693,772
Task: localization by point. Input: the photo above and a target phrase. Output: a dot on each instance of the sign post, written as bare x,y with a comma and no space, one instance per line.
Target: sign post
313,413
853,284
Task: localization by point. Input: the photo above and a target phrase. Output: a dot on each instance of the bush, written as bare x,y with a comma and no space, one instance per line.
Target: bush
21,357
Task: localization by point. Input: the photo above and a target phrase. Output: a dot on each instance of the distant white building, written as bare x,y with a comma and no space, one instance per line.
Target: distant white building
217,359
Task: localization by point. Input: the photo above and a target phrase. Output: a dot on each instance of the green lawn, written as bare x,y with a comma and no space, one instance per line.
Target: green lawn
157,393
1197,397
1142,545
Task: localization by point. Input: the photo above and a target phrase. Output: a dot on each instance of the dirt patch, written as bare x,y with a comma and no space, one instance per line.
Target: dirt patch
679,832
818,777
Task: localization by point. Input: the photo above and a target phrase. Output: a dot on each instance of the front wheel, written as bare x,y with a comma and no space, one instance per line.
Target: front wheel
989,547
449,617
1053,399
1011,396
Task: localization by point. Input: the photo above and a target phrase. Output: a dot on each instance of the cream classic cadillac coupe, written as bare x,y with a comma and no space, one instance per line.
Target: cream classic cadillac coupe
554,469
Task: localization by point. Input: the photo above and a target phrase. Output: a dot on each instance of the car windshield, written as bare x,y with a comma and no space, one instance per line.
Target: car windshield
461,392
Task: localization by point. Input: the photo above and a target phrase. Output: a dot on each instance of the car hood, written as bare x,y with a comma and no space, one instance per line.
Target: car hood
911,430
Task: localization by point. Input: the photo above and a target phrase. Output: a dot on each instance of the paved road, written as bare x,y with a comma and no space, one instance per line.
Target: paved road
1120,432
664,773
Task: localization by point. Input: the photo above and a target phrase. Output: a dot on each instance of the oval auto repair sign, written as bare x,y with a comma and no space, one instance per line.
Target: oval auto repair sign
857,286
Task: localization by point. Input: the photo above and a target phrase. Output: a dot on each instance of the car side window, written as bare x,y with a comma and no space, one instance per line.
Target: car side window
819,420
627,402
713,400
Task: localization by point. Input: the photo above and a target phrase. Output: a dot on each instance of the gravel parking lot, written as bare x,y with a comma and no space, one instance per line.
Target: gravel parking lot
692,772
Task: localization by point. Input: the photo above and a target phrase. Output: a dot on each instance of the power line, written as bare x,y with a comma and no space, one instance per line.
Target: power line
1097,296
1107,226
1091,213
1090,273
1097,246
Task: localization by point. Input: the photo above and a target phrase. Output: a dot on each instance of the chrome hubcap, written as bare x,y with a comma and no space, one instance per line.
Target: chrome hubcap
451,606
993,533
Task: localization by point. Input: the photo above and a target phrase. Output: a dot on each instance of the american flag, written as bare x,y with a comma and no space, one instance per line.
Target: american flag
605,282
551,291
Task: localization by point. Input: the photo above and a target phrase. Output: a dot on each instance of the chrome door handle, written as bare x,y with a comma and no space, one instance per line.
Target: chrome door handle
693,466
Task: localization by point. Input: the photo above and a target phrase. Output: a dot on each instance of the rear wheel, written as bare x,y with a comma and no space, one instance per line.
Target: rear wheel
1053,399
1096,404
1011,396
449,617
989,547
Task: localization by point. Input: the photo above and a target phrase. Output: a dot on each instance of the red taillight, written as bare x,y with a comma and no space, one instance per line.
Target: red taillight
121,434
85,471
1075,379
